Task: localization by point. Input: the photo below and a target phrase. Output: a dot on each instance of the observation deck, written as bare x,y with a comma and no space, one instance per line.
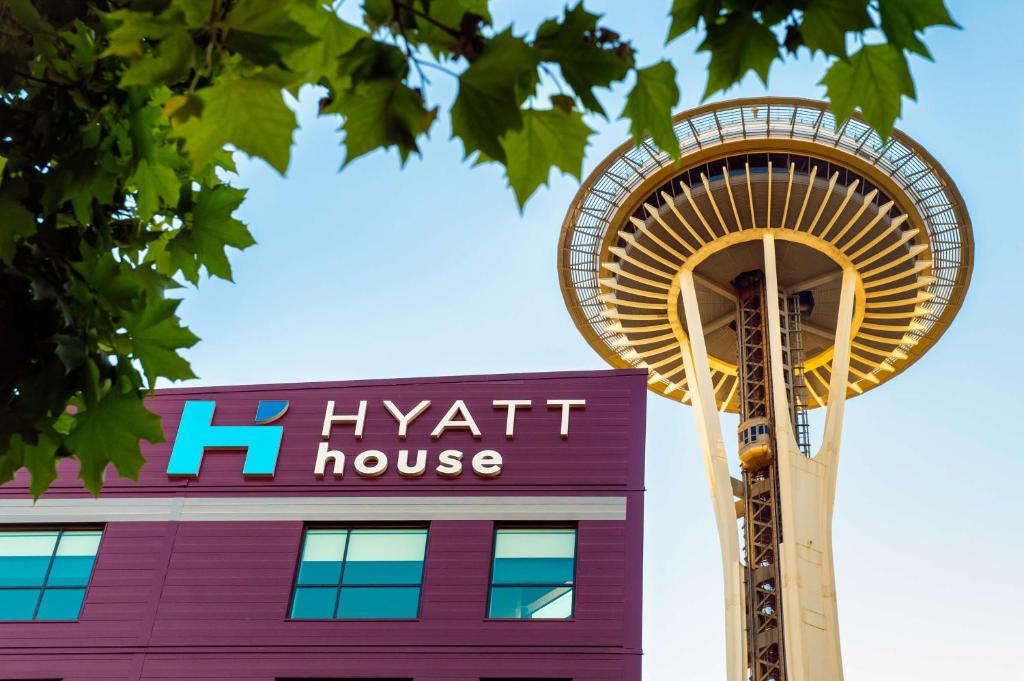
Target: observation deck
834,197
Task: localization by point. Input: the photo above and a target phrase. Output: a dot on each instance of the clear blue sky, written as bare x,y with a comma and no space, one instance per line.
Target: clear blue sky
431,270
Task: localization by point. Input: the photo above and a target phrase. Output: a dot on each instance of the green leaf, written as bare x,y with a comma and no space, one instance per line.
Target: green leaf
874,79
547,138
249,113
464,16
70,350
157,334
334,37
382,114
168,63
777,11
451,12
585,64
686,14
109,432
213,228
491,91
38,458
737,45
132,28
16,223
42,465
368,60
265,32
902,19
195,12
157,185
649,106
27,15
826,22
110,282
378,12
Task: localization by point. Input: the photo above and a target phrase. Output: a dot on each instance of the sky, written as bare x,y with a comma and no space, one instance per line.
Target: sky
378,271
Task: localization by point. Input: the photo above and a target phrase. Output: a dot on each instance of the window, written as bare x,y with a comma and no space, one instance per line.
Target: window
43,573
360,573
533,573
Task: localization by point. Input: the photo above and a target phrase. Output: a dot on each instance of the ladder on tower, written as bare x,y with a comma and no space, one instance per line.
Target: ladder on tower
799,388
762,524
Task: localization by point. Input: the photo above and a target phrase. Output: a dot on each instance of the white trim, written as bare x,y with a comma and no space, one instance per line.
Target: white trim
254,508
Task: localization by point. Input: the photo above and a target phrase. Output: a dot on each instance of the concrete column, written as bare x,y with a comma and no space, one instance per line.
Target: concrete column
709,430
806,491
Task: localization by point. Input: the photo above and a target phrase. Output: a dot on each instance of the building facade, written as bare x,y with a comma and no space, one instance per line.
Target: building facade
445,529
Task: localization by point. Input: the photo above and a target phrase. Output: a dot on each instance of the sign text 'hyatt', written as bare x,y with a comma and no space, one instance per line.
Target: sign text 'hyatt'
262,442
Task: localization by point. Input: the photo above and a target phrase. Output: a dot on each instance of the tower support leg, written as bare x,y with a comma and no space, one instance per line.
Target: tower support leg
807,493
709,429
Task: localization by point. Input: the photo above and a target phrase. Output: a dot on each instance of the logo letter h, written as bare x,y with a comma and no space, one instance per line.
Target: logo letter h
196,434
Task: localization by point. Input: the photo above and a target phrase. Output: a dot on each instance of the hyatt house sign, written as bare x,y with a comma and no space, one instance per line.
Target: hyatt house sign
262,441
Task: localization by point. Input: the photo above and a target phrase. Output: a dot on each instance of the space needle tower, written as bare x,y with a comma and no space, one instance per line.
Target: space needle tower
789,262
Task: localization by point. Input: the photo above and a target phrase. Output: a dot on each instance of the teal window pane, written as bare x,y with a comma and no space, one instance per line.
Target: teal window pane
531,602
319,572
533,570
25,556
79,543
535,543
70,571
23,570
378,602
61,604
322,555
18,604
313,603
385,556
534,556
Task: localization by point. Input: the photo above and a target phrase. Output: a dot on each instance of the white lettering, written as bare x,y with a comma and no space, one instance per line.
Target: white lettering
323,455
405,419
449,463
330,419
367,469
510,420
415,470
487,464
565,405
449,421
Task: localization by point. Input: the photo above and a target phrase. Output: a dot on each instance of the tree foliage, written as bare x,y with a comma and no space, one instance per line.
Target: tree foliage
120,119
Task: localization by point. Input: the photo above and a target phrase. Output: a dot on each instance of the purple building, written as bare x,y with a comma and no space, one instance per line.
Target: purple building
445,529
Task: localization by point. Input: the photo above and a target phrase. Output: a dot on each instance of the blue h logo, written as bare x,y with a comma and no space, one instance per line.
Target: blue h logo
196,434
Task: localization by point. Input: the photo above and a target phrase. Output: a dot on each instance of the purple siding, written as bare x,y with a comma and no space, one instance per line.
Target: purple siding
208,599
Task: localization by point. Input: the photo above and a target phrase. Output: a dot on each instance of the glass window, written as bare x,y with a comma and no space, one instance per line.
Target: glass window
533,573
44,573
360,573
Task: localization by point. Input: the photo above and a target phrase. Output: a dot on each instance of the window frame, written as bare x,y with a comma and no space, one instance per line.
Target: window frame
347,528
44,587
575,527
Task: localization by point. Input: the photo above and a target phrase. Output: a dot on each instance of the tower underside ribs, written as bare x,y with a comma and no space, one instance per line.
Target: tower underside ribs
761,520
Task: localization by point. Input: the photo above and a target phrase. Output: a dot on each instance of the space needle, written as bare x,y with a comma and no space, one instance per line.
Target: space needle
789,262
